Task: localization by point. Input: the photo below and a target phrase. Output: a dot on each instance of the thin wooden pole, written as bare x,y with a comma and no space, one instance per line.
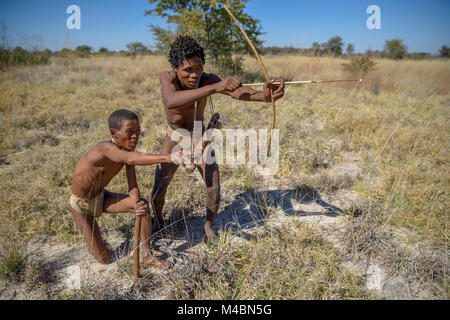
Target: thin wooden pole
136,240
302,82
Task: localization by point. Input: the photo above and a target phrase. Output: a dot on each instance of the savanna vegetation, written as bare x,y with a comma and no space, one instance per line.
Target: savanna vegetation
395,123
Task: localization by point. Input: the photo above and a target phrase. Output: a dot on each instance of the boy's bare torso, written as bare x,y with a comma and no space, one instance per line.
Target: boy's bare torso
183,116
94,171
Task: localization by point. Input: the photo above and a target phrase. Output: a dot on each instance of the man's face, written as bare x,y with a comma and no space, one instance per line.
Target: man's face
190,72
127,136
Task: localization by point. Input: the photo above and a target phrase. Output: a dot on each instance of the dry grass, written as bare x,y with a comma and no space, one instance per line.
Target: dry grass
396,121
292,262
13,255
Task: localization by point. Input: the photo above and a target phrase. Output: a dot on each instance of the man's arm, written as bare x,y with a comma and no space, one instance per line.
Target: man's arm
239,92
249,94
213,84
175,99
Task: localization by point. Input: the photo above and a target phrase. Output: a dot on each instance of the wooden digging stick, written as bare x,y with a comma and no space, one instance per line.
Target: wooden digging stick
136,240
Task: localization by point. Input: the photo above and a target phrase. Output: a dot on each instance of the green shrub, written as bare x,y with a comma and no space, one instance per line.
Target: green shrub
360,66
20,56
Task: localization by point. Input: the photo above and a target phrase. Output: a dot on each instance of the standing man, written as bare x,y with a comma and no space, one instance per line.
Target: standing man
184,92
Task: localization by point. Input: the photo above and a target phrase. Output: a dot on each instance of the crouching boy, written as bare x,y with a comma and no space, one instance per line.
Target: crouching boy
94,171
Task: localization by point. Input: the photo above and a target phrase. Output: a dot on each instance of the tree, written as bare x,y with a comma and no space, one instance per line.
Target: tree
65,52
395,49
209,23
136,48
316,48
334,46
445,52
84,49
103,50
163,39
350,49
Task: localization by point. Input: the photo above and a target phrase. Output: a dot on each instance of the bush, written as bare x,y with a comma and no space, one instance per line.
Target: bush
359,66
20,56
444,52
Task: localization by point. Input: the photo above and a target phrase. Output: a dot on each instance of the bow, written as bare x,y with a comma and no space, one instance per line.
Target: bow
264,70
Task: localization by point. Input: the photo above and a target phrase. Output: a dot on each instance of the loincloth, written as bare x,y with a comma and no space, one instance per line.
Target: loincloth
93,207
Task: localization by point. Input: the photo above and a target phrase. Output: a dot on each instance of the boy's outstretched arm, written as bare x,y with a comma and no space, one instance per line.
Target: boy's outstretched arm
131,158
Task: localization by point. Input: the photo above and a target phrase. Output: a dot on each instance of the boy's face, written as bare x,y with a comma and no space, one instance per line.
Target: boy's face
190,72
127,136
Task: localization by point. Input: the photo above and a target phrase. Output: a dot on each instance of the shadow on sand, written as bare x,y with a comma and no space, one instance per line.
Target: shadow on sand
249,210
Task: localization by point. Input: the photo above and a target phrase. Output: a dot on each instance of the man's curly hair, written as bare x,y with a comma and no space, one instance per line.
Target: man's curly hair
184,47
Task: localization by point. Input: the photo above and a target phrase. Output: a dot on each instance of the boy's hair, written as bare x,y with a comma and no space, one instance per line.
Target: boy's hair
119,116
184,47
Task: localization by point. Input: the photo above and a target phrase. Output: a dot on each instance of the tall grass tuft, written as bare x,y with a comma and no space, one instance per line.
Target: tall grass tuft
13,255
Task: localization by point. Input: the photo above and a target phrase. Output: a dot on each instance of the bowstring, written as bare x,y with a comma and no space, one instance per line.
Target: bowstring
211,106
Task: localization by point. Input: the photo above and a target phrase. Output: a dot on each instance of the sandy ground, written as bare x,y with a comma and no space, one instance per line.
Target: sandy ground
69,268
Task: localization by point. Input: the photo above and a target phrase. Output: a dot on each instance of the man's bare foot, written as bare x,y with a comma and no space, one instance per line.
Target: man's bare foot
153,261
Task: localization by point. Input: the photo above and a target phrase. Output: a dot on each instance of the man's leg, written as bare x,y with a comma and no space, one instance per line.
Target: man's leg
118,203
163,175
211,177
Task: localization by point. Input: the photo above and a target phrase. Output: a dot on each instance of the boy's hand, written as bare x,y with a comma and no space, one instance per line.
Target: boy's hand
141,208
228,85
278,89
181,157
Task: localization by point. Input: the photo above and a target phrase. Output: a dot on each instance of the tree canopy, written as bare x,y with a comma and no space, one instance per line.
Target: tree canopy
395,49
444,52
209,23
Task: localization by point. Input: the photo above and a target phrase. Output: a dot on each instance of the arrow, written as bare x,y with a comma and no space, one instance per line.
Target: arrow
302,82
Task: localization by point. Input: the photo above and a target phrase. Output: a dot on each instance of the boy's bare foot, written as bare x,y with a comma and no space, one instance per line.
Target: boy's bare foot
155,262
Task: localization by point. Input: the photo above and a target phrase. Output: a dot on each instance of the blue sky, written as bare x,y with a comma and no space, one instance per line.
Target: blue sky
423,25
